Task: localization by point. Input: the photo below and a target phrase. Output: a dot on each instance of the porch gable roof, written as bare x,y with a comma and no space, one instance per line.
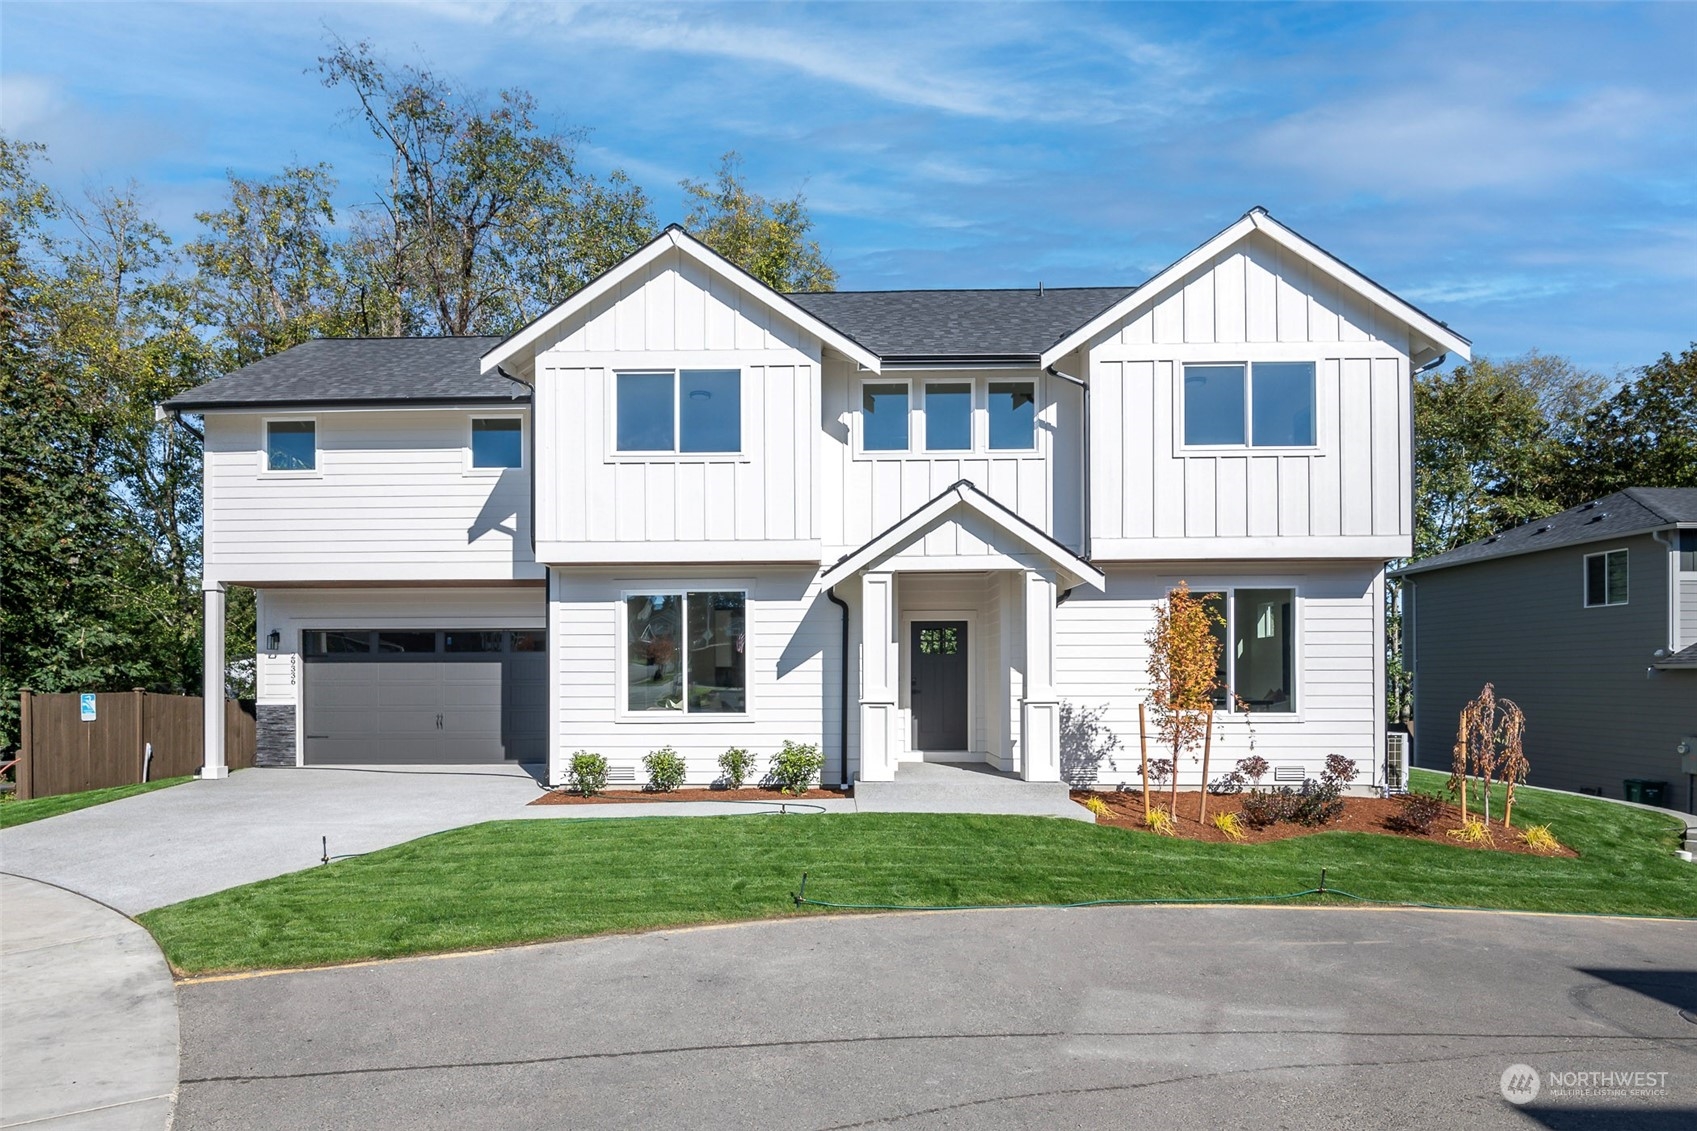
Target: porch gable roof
1072,569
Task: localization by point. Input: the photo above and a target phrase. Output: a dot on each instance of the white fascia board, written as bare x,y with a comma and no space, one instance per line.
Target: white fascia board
1362,286
1258,221
1067,563
675,239
1142,294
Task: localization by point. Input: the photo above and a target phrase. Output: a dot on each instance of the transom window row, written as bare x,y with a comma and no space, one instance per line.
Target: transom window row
943,418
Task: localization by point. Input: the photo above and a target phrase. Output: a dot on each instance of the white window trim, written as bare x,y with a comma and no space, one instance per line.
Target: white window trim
614,455
472,469
904,697
1585,579
265,469
1299,670
684,716
1249,446
858,411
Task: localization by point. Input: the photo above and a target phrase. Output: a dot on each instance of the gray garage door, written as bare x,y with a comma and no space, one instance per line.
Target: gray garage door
425,696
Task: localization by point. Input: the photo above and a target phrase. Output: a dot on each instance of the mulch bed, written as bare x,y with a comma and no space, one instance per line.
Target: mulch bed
626,796
1360,815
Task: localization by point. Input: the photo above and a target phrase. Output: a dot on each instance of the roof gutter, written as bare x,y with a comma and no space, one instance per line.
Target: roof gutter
351,402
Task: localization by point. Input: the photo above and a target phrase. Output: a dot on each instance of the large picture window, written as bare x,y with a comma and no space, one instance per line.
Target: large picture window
1606,578
687,652
1257,667
1265,405
690,410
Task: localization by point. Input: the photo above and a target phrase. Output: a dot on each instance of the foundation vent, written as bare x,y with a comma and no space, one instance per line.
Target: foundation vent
1295,774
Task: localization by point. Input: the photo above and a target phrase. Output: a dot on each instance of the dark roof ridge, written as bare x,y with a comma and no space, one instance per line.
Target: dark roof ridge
1041,289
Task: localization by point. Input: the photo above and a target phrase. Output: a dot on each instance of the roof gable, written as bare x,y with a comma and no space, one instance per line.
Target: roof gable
1257,221
1072,569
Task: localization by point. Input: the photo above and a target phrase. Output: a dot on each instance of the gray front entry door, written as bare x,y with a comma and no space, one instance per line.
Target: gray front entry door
938,658
426,707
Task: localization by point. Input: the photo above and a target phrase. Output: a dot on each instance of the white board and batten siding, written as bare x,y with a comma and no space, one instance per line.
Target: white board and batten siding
597,505
1349,495
794,657
866,493
1101,661
393,498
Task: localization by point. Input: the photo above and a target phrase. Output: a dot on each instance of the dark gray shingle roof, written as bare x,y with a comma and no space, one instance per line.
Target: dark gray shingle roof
360,371
1684,658
1632,511
966,325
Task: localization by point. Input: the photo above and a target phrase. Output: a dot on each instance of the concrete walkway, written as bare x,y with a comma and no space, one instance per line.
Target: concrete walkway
88,1015
965,787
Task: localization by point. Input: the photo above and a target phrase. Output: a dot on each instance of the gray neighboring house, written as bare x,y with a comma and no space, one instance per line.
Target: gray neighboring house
1588,620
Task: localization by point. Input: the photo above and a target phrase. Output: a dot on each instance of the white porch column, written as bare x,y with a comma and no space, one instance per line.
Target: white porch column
212,689
1040,709
878,666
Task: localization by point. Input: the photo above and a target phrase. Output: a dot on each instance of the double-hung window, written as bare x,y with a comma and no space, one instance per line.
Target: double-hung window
687,652
1257,660
1606,578
948,416
291,445
1269,404
681,411
497,442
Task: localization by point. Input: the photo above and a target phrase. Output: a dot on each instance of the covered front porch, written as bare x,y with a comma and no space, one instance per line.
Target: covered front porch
956,639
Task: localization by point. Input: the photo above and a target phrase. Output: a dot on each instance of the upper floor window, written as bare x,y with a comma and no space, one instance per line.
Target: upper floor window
291,445
1688,551
1012,407
1266,405
1257,664
948,416
1605,578
688,410
497,442
883,417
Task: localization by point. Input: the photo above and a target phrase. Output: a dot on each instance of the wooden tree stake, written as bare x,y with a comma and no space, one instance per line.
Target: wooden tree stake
1143,741
1207,741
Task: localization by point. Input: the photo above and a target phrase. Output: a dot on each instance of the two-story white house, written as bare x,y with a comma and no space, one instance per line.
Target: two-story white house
682,509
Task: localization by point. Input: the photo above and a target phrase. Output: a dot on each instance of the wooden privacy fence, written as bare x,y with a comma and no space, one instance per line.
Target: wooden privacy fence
60,753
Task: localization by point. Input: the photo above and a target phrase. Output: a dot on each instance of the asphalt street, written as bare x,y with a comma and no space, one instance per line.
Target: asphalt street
1110,1017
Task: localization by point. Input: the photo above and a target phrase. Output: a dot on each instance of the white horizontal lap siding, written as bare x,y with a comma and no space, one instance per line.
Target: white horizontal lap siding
1687,624
1254,302
864,494
794,653
675,316
392,498
1101,660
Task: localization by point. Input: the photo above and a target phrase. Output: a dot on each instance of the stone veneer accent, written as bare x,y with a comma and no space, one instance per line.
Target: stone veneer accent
274,728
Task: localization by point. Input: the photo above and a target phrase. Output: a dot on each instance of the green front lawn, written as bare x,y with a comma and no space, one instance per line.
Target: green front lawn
15,812
524,881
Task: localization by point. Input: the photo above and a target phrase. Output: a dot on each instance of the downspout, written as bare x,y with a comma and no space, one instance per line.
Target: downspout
1673,585
177,415
1084,513
530,464
547,572
843,722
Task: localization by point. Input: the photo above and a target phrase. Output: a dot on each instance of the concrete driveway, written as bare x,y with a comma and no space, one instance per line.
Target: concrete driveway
1112,1017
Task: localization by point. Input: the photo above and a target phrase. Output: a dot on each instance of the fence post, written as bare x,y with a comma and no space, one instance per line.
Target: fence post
140,698
25,777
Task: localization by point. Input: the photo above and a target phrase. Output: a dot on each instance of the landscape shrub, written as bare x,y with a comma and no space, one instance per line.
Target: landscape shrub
1264,807
1339,770
736,766
665,768
1319,802
1253,767
1473,831
1097,806
1228,783
797,766
586,773
1539,838
1160,821
1418,812
1229,824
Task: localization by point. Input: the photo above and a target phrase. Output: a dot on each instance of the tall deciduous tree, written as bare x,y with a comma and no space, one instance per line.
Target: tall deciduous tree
767,238
1645,435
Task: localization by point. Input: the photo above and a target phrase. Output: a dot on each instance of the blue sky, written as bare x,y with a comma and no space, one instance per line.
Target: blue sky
1525,172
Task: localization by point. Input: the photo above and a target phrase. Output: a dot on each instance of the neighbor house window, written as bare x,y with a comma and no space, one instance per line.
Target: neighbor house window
1012,409
291,445
497,442
948,417
687,652
1688,551
1266,405
1605,578
1257,666
883,418
690,410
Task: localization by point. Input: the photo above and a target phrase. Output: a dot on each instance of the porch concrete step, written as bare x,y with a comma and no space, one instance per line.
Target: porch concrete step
953,787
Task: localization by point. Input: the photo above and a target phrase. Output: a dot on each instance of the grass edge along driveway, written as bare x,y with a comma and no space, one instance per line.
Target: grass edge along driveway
15,812
507,882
